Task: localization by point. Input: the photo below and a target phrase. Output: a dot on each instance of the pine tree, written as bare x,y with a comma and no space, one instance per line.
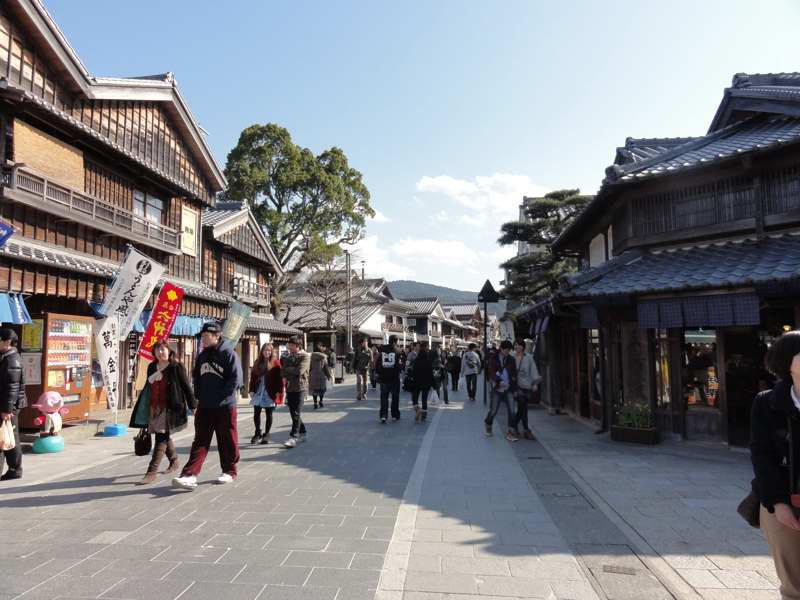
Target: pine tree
531,275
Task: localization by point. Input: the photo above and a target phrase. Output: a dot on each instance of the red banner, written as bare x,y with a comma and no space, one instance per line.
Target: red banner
162,318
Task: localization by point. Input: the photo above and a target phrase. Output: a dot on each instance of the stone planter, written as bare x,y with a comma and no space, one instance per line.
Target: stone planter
633,435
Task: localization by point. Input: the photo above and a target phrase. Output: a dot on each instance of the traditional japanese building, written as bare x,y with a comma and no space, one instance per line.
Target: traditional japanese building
691,256
91,165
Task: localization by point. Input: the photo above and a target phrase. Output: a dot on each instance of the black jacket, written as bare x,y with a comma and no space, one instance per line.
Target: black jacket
362,360
769,444
389,365
217,376
179,397
422,369
12,384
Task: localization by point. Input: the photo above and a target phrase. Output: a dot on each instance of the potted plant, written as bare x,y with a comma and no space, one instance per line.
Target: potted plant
634,424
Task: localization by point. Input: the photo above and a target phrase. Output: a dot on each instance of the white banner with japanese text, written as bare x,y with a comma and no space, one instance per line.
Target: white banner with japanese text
135,281
107,344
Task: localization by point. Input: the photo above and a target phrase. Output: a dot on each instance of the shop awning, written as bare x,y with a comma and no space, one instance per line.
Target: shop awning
718,310
185,326
13,309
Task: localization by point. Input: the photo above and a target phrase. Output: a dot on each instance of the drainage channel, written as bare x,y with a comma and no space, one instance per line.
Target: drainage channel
612,567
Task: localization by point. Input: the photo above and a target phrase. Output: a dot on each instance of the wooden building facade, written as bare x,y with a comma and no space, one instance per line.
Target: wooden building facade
691,266
91,165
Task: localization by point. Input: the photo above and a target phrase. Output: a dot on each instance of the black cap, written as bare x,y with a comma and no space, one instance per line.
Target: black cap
211,327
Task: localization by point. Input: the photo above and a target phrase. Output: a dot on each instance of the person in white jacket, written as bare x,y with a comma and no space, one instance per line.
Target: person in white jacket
470,367
527,382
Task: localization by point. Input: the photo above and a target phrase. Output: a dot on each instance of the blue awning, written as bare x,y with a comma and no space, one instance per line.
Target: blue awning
13,309
184,325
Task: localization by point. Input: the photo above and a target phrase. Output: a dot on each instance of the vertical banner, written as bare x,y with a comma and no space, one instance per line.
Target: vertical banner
135,281
236,322
107,344
6,231
507,330
162,318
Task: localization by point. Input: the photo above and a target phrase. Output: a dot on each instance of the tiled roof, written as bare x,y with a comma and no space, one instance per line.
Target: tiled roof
422,306
637,150
31,251
461,310
307,316
221,212
269,324
746,136
727,264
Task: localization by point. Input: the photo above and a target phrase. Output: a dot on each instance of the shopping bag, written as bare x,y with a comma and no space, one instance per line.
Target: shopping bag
7,441
140,417
461,383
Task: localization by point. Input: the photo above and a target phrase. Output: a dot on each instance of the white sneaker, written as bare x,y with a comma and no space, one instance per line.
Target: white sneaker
225,478
290,443
185,483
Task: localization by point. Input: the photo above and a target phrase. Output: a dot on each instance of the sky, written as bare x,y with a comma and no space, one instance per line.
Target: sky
452,110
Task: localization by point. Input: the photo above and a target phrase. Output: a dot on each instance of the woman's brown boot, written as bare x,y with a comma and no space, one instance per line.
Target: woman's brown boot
152,469
172,455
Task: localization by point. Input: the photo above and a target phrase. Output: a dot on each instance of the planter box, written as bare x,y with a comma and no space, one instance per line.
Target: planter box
634,436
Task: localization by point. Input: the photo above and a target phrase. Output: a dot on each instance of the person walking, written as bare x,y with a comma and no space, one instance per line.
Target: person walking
217,377
527,381
502,373
319,373
12,398
389,368
169,397
422,374
775,454
454,369
362,363
349,357
266,391
470,367
295,370
439,376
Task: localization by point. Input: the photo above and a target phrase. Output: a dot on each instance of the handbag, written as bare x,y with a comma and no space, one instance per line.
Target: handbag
7,441
142,443
750,508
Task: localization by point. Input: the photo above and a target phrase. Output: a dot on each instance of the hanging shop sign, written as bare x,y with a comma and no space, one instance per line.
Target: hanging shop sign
6,231
162,318
135,281
33,336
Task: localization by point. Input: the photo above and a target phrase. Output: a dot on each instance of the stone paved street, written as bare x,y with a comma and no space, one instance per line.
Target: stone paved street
401,511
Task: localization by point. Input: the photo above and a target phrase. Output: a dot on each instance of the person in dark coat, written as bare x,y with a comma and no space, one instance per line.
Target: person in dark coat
422,375
170,395
454,369
12,397
775,453
216,378
502,376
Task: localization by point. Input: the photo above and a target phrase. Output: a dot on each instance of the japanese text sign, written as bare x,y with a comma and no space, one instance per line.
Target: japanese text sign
162,318
107,344
135,281
236,322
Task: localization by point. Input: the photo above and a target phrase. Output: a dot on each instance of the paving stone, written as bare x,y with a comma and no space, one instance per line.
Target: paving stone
291,592
475,566
243,542
326,577
419,581
146,569
300,558
224,572
700,578
373,562
282,542
747,580
274,575
513,586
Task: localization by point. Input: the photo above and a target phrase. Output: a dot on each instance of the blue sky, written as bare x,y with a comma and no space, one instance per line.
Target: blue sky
452,110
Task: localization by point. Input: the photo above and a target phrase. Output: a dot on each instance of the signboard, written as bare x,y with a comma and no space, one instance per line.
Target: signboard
107,340
188,231
236,322
507,330
33,336
135,281
6,231
32,367
162,318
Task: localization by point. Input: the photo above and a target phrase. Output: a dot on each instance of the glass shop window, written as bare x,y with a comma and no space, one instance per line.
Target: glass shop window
701,372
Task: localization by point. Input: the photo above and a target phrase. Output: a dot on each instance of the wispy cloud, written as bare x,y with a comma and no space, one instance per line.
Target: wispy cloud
447,253
380,217
378,260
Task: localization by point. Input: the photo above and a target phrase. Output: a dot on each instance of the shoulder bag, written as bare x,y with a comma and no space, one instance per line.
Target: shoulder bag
142,443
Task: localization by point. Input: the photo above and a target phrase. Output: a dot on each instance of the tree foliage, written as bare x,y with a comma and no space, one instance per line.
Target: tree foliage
308,205
531,273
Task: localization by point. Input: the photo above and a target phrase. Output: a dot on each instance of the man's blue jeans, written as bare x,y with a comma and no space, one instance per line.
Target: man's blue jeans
497,400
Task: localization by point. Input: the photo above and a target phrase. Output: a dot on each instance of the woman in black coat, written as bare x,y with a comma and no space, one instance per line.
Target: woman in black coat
422,375
169,395
775,452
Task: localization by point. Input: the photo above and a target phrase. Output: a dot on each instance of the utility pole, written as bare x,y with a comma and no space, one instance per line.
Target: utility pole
362,271
349,303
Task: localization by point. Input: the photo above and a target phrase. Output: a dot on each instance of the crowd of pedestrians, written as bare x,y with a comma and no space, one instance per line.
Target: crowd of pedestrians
168,397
